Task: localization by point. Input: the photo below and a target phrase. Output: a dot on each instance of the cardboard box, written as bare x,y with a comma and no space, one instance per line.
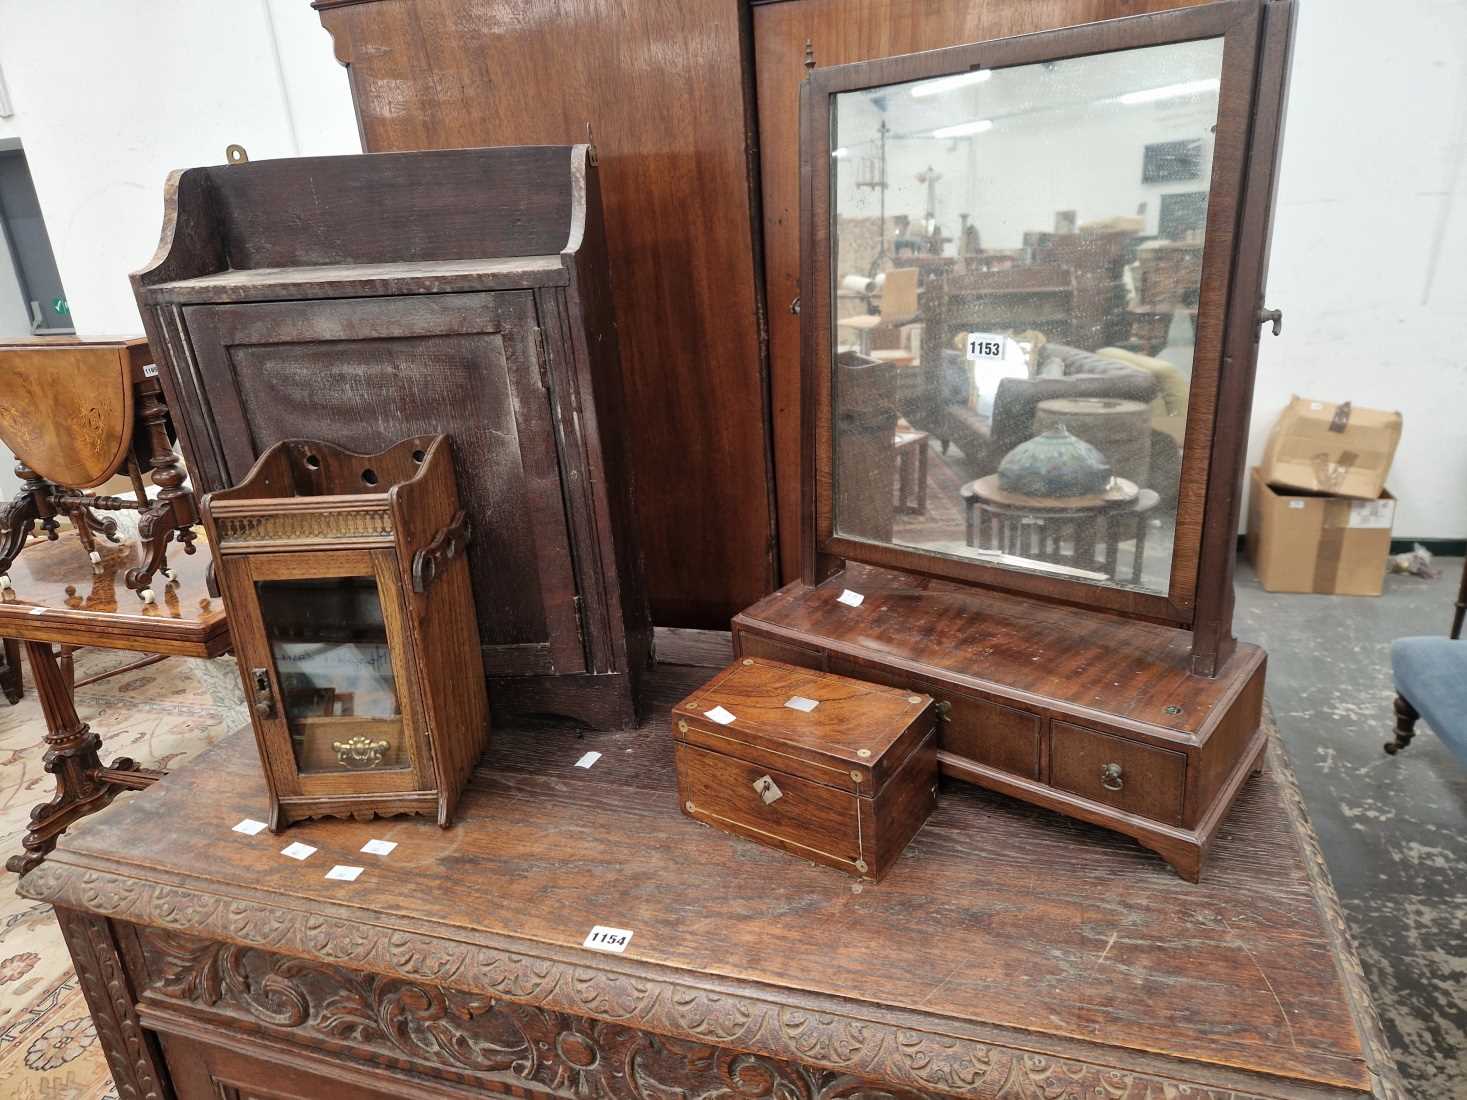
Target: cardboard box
1310,542
1338,449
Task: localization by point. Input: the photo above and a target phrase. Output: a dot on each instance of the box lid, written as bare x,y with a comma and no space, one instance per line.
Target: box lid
1343,449
829,729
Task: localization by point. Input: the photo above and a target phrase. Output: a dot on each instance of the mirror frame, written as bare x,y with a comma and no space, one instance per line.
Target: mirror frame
1256,36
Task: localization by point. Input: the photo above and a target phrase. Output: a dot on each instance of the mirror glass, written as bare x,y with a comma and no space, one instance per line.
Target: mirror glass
1017,261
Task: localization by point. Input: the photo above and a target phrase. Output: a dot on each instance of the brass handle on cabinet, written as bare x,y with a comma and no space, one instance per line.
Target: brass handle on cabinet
264,698
1275,316
360,752
1111,778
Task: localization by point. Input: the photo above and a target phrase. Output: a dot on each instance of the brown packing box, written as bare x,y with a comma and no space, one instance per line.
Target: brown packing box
1343,450
1314,543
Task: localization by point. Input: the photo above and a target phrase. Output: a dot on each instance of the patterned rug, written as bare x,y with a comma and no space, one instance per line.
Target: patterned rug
160,716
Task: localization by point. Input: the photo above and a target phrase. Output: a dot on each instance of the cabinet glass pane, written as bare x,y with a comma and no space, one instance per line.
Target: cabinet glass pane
1017,258
339,699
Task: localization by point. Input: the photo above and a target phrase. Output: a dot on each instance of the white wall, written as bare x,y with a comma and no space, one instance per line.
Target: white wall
110,95
1370,240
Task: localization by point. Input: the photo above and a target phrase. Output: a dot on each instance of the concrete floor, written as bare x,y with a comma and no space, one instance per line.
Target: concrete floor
1394,829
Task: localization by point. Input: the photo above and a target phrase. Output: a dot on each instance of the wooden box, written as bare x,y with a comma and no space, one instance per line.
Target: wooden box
453,291
1087,714
836,770
347,585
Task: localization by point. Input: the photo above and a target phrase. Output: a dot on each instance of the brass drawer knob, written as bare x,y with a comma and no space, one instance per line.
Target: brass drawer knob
360,752
1111,777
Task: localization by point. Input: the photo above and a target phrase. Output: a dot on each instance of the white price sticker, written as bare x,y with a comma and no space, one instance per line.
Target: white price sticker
379,847
343,873
1373,513
150,370
1299,504
36,611
850,599
601,938
588,759
721,716
986,345
250,827
298,851
800,703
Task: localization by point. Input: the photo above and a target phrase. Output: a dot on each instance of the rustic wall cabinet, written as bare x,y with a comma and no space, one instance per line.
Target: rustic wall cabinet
362,299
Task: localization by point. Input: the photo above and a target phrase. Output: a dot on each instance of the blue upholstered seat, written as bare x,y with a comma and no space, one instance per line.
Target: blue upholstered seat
1431,673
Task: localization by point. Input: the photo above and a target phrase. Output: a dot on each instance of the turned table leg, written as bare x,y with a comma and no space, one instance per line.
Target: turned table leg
83,786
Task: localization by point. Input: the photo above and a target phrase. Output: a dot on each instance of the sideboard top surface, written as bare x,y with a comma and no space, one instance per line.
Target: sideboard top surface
1002,929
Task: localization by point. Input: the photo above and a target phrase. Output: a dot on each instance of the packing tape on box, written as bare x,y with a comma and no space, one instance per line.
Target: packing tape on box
1327,563
1330,475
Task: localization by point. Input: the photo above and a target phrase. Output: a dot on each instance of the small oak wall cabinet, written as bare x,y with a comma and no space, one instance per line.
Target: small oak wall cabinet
1075,626
349,603
362,299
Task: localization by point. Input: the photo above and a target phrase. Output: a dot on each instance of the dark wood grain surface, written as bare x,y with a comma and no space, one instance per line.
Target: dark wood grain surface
59,598
1000,924
660,88
523,374
854,725
1056,656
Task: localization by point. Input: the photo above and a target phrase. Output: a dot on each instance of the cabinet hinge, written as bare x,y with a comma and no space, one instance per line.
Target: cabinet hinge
541,359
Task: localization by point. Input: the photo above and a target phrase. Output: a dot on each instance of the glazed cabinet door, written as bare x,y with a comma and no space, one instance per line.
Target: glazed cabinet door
363,373
323,649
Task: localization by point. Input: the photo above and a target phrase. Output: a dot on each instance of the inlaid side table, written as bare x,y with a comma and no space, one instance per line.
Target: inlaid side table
59,599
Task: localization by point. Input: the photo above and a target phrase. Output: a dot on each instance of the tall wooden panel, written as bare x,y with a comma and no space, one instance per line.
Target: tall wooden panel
661,84
840,31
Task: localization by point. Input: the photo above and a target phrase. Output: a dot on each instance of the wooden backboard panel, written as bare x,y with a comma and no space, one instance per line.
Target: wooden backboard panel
661,90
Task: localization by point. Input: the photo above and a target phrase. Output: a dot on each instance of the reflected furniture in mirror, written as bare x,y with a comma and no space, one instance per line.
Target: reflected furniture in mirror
77,413
1068,592
347,583
458,291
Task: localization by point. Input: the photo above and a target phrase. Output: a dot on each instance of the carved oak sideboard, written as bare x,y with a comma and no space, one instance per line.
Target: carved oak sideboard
998,958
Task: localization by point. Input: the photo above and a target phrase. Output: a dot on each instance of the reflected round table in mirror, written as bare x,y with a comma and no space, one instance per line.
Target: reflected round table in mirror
1082,533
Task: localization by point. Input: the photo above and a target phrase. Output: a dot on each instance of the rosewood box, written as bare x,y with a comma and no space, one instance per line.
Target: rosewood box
836,770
